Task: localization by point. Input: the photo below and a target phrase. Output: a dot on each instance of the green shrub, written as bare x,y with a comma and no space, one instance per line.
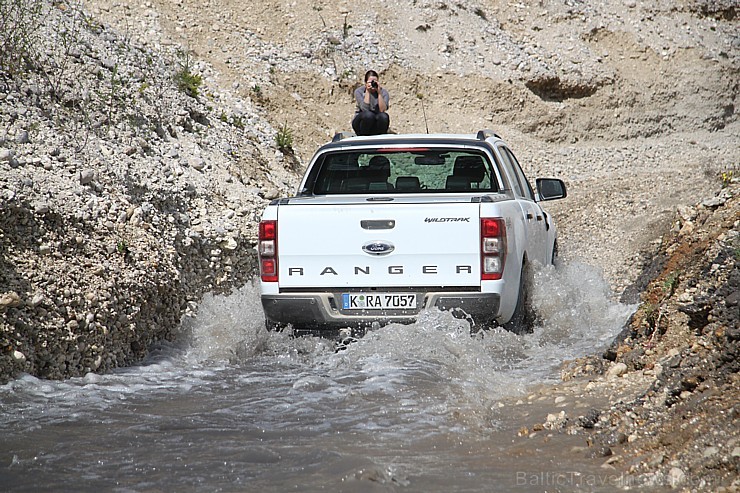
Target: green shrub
726,177
671,283
284,138
122,247
186,80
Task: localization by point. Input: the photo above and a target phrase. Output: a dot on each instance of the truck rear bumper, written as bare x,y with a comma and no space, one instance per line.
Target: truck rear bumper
321,310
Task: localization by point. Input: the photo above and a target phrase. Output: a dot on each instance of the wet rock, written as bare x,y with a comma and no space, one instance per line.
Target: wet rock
656,459
616,371
589,419
9,300
611,353
616,438
599,451
556,421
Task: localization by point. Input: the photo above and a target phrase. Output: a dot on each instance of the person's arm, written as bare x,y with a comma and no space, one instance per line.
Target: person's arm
382,104
363,99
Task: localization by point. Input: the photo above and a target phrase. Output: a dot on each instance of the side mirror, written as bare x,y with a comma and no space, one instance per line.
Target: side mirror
551,188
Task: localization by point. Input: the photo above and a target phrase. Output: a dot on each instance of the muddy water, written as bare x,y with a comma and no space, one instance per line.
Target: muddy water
233,408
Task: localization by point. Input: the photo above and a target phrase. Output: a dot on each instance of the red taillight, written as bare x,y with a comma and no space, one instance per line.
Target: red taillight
491,227
268,230
267,250
492,247
269,269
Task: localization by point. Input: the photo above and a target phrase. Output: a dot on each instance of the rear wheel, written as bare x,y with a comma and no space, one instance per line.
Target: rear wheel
522,321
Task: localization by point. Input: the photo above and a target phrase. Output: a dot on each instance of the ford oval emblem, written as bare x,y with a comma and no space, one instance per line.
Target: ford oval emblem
378,248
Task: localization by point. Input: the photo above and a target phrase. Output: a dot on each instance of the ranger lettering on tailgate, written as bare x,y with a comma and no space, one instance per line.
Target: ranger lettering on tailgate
391,269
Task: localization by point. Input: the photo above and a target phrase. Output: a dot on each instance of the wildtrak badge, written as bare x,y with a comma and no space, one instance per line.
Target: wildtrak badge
447,220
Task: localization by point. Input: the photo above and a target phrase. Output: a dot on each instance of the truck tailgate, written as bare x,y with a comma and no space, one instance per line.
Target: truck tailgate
432,244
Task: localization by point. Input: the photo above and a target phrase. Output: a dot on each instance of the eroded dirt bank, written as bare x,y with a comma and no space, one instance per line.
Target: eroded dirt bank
660,406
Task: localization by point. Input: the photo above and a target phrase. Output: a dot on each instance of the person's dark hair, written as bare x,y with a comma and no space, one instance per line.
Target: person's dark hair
371,73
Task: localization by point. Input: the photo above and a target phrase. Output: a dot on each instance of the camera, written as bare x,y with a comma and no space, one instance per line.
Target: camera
374,84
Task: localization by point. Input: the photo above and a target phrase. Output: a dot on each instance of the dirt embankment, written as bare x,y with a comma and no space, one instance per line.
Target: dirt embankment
670,385
125,193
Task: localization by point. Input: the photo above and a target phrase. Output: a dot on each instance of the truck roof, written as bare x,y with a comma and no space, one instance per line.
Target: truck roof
346,139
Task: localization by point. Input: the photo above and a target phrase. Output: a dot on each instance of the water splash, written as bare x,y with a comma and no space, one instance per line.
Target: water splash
467,375
577,311
574,305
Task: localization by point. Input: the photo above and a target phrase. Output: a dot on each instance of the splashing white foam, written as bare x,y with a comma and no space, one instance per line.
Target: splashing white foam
573,303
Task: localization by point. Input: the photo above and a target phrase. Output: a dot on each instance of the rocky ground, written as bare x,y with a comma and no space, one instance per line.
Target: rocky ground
124,196
660,406
139,143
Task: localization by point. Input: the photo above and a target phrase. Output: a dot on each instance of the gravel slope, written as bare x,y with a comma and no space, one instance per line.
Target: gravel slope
632,103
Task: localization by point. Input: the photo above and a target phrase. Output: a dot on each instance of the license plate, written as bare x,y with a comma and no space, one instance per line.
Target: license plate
381,301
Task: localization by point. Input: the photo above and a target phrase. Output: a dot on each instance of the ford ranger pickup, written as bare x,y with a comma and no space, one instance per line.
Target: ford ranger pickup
383,227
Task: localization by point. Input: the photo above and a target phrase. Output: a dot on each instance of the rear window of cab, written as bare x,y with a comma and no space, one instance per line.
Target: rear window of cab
402,171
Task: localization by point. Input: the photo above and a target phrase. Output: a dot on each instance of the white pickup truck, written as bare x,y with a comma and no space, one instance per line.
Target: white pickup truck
383,227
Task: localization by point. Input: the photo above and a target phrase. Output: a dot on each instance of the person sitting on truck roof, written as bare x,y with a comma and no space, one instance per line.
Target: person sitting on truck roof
371,117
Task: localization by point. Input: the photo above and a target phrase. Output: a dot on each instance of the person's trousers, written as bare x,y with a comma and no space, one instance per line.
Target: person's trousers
369,123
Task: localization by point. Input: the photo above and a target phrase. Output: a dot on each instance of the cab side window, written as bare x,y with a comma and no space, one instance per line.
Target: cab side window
510,171
522,186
